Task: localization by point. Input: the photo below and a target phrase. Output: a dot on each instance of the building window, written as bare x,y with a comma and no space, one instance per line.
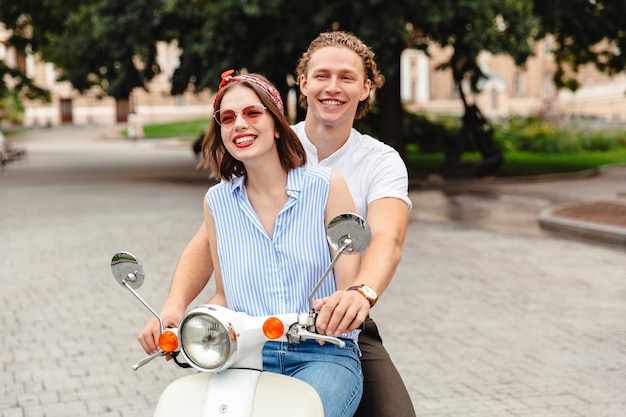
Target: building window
518,84
20,61
548,85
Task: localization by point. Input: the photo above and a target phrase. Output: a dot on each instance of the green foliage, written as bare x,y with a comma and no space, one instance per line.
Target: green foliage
12,108
108,43
472,26
518,163
421,163
186,130
603,140
422,133
534,134
430,135
112,43
30,23
584,32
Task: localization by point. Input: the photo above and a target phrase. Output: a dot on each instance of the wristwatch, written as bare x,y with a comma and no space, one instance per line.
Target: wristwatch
367,292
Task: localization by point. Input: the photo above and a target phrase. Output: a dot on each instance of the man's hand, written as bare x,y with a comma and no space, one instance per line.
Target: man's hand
342,312
149,336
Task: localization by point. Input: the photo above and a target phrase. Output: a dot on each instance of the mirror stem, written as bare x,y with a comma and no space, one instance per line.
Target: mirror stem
346,243
125,283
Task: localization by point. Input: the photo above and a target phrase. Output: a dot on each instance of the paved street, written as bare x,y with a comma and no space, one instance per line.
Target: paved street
488,315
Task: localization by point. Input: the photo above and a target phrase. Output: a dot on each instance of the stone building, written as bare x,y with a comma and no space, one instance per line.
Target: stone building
507,90
68,106
510,89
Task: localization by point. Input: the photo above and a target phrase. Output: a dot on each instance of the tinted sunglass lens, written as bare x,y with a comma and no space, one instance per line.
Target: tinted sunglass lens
252,113
226,117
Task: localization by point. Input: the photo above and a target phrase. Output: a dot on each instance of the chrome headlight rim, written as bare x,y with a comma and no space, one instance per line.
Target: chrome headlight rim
226,331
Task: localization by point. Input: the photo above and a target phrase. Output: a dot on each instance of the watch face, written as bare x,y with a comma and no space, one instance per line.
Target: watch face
369,292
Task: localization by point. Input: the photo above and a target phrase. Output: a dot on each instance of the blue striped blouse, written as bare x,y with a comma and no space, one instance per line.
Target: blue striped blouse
263,276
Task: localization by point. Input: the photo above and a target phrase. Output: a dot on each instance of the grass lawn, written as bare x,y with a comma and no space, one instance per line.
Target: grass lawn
529,163
515,163
187,130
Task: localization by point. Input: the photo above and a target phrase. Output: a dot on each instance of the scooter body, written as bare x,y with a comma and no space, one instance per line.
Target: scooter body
226,347
239,392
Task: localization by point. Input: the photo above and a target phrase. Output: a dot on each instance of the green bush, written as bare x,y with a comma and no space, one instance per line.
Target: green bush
421,133
532,134
546,138
12,107
602,140
430,136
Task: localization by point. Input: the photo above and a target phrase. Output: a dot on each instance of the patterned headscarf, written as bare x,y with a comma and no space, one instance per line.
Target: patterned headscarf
228,78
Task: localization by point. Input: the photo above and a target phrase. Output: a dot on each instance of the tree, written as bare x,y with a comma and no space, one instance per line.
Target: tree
270,39
105,43
469,27
20,85
585,32
236,35
110,44
20,18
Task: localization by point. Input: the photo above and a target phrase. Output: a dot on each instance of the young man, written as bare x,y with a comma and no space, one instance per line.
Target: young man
336,75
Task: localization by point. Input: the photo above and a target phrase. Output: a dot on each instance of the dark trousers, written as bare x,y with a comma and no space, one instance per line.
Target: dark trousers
384,393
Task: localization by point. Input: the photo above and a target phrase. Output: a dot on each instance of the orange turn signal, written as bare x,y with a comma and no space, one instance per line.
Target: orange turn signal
273,328
168,341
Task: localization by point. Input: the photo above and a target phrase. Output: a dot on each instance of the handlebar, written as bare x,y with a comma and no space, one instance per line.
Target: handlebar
306,335
147,359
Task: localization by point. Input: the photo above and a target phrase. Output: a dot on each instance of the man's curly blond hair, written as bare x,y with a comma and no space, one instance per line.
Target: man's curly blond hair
345,40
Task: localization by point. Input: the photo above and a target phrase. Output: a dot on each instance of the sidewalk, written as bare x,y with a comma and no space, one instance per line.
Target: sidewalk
591,205
595,213
603,221
480,321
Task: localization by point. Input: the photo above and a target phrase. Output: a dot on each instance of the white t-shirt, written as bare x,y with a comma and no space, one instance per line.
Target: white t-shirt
371,168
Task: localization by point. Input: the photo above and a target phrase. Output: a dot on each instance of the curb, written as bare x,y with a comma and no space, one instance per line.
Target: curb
585,230
437,181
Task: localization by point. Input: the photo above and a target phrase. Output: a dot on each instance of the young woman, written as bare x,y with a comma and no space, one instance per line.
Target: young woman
266,224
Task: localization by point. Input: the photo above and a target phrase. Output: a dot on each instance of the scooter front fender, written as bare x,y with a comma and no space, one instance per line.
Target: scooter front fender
239,393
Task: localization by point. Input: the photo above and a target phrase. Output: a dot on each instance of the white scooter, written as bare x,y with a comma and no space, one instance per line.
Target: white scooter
226,347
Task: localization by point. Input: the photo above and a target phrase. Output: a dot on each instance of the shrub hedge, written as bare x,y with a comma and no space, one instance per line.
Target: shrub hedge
431,134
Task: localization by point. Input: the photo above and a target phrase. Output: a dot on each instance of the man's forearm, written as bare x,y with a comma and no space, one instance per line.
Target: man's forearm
388,219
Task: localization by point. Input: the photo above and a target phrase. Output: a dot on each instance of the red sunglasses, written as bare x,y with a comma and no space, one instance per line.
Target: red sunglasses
250,114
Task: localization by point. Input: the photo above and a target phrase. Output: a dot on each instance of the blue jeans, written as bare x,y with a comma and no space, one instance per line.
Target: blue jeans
335,373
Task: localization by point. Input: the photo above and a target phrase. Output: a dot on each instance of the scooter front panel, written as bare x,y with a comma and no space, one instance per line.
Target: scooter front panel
283,396
184,397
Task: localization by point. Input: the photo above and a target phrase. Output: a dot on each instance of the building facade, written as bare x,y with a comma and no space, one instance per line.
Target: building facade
510,90
68,106
507,90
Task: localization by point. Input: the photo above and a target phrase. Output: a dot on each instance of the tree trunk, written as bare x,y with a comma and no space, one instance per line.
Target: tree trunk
390,126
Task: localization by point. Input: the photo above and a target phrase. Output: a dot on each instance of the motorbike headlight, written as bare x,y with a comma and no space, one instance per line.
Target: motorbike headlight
206,342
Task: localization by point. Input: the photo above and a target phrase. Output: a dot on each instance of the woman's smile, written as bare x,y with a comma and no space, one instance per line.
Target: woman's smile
244,140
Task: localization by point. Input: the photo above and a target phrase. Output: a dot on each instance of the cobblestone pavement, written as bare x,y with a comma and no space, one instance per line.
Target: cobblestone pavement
489,316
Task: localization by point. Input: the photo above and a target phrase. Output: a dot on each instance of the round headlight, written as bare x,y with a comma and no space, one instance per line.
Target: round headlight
206,342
